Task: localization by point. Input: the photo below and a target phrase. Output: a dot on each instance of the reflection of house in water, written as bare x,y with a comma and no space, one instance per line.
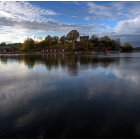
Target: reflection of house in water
53,50
3,59
84,38
69,62
106,49
6,49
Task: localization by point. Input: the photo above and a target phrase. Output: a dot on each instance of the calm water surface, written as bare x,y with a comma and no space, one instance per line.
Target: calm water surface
68,96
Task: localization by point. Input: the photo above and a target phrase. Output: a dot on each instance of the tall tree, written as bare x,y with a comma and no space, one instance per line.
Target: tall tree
55,40
41,44
118,44
3,44
73,36
127,47
95,40
62,40
28,44
48,41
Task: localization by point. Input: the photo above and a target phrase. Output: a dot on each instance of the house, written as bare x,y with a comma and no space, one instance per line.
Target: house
53,50
84,38
106,50
6,49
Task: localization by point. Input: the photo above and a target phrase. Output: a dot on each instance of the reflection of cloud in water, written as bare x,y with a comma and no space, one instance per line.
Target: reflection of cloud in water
24,120
113,80
24,84
19,88
126,75
42,103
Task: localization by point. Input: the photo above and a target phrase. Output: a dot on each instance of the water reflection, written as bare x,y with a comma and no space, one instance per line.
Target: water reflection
68,96
54,61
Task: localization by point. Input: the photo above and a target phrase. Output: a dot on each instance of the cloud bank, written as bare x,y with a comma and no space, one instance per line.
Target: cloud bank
19,20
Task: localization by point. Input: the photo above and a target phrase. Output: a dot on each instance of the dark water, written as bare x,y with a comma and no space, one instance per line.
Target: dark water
68,96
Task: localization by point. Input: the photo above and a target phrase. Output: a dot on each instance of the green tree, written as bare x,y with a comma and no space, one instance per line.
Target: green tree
55,40
48,41
3,44
107,41
127,47
62,40
73,36
28,44
41,44
16,46
118,44
95,40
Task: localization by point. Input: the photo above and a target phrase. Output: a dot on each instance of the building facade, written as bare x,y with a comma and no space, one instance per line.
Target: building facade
6,49
53,50
84,38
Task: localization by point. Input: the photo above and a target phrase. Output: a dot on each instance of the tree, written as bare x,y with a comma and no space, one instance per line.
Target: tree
48,41
95,40
107,41
73,36
127,47
62,40
16,46
41,44
55,40
90,46
28,44
3,44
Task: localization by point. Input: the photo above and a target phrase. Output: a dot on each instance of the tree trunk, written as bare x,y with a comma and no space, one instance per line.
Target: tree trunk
73,45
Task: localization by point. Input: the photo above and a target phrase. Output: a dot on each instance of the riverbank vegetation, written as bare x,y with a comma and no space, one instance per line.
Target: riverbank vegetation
72,42
127,47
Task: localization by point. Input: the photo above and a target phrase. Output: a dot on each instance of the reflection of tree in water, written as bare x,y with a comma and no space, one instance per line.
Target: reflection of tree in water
30,60
72,62
96,61
51,61
126,59
3,60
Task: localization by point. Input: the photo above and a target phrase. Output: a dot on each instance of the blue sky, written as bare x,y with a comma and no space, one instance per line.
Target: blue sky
37,19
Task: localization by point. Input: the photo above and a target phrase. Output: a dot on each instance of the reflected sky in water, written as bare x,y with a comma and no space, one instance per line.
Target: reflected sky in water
69,96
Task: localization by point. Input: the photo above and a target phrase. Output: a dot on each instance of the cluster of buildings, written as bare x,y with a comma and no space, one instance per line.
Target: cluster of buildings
6,49
57,50
53,50
84,38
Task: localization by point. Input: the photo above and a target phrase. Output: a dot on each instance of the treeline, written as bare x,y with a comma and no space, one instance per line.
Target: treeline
16,46
73,42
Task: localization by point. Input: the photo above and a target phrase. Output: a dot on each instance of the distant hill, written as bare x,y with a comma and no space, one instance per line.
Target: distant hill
136,49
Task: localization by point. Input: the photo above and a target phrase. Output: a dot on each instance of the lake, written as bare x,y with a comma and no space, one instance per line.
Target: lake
70,96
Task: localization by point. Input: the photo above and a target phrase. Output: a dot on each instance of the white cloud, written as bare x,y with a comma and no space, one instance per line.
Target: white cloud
12,36
131,26
37,38
113,11
27,26
76,2
16,18
23,11
19,18
127,31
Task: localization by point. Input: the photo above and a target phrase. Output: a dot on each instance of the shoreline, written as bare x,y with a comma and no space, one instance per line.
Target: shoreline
70,52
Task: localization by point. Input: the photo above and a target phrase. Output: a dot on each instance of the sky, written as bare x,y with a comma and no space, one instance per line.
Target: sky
37,19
